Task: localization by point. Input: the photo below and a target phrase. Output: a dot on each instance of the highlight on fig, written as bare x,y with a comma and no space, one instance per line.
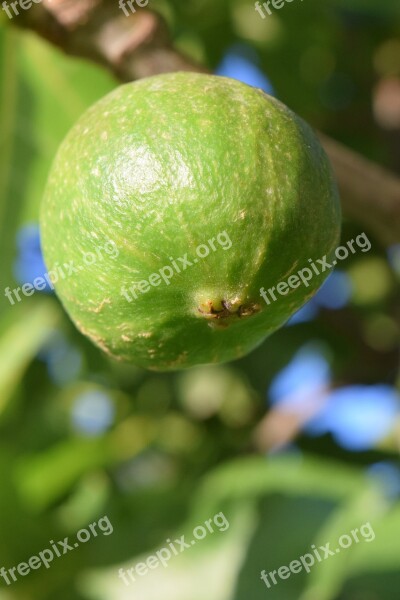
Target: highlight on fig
61,272
218,522
305,275
166,273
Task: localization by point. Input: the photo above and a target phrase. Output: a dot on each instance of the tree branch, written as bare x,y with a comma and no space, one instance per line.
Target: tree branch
370,194
138,45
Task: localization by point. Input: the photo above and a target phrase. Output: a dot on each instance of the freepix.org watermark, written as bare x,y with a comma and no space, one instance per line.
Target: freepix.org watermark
23,4
131,3
174,548
277,4
61,272
318,267
58,549
307,561
166,273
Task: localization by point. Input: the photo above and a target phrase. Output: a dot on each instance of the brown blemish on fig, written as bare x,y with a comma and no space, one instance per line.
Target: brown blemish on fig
222,317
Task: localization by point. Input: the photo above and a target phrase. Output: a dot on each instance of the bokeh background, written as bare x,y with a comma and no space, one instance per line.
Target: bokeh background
298,443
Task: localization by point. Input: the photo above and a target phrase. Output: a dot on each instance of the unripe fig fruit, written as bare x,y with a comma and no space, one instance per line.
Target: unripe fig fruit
215,180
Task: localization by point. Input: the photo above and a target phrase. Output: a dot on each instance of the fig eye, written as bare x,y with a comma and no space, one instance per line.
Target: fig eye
229,311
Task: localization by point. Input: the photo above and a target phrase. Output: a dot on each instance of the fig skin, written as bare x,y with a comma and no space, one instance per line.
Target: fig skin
161,166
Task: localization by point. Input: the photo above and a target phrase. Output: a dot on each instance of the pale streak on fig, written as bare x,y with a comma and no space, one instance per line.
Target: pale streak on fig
99,308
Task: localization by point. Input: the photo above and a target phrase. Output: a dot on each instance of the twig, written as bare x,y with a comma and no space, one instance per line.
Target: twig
370,194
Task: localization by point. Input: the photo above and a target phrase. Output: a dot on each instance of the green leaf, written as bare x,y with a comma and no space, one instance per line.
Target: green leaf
23,332
360,515
255,477
286,529
42,94
45,477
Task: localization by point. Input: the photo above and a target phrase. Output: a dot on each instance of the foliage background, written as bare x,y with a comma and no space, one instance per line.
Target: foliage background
82,437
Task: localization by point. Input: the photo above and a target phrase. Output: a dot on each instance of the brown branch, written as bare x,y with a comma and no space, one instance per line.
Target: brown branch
138,45
131,47
370,194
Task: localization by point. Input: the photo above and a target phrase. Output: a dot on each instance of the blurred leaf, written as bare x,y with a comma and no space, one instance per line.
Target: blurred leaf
326,582
384,553
388,8
212,565
46,477
42,93
23,333
255,477
286,528
43,478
